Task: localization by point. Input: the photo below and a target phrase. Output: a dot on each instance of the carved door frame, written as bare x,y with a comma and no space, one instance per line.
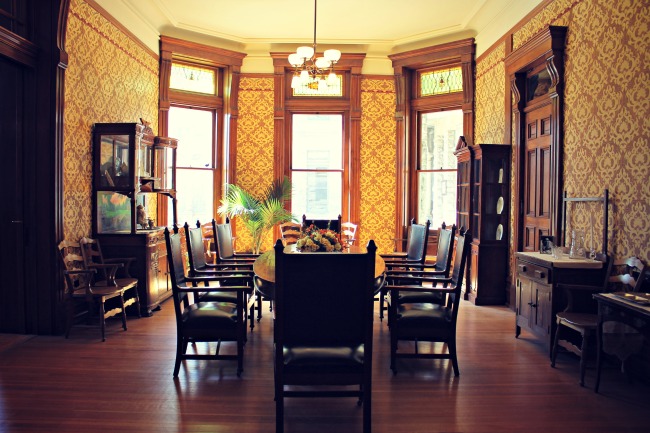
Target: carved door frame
547,47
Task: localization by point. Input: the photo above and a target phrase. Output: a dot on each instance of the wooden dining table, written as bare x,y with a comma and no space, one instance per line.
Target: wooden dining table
264,265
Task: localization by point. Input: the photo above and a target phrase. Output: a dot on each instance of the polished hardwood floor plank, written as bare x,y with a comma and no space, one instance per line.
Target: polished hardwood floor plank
50,384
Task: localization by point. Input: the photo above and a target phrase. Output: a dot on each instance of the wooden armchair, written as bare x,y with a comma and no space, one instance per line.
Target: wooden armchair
80,288
428,322
334,225
348,233
108,269
323,327
290,232
416,254
200,321
439,269
198,267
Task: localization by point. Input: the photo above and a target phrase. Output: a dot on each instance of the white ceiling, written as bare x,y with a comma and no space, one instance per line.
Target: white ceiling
381,26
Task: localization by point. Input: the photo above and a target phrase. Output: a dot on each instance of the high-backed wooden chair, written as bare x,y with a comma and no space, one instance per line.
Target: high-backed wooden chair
198,321
440,268
334,225
323,327
416,254
428,322
198,268
290,232
80,288
576,329
576,326
348,233
108,270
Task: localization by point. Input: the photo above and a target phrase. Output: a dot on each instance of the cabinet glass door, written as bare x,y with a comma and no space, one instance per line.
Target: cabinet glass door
114,162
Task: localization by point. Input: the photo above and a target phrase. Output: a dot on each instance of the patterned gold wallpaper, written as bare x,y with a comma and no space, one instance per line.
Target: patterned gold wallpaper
110,78
255,153
606,137
378,159
254,144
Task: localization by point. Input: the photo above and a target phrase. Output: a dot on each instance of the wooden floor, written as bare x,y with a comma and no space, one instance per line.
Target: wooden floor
50,384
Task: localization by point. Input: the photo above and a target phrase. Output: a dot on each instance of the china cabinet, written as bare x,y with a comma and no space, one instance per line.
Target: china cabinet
490,212
464,204
131,169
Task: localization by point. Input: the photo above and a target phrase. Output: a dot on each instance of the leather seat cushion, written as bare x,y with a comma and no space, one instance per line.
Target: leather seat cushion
210,318
423,321
325,359
219,297
420,297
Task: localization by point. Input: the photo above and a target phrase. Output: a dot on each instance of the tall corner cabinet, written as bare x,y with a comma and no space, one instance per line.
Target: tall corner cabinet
483,207
490,197
464,205
131,169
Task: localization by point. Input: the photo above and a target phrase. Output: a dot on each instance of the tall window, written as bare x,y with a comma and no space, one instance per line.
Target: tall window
436,166
195,168
317,165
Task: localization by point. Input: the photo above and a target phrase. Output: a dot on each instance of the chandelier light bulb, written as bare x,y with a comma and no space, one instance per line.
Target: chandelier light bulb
321,63
295,81
305,52
295,60
332,79
332,55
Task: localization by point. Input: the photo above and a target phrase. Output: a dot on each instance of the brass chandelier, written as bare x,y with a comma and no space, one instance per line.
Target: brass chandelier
314,72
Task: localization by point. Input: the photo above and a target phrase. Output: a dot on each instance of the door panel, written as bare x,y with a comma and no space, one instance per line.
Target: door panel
12,289
537,175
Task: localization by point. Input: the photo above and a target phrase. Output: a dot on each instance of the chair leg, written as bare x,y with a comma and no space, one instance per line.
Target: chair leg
393,353
555,342
279,412
599,349
367,409
586,335
451,346
382,295
123,311
259,306
180,345
137,301
102,319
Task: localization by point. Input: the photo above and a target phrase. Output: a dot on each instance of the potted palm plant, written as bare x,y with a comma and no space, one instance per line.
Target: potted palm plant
258,214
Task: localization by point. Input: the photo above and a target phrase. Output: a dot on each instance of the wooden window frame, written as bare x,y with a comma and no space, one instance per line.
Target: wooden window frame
227,65
410,104
349,104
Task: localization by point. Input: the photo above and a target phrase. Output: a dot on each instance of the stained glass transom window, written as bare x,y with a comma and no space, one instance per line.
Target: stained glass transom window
193,79
441,81
328,91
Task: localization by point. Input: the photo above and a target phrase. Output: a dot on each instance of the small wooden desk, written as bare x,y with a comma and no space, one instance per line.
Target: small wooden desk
621,307
264,265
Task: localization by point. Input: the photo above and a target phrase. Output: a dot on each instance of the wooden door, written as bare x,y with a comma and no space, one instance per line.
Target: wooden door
537,176
12,117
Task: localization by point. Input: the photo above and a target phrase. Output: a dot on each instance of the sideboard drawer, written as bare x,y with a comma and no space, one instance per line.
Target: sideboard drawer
533,271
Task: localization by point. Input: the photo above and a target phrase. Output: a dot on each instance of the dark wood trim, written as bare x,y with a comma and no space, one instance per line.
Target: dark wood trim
201,54
17,48
545,48
121,27
406,66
